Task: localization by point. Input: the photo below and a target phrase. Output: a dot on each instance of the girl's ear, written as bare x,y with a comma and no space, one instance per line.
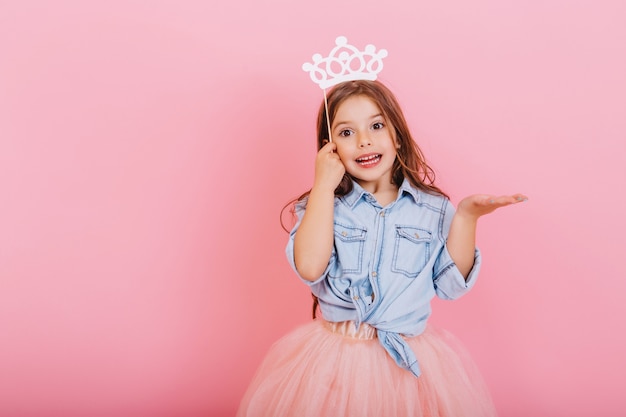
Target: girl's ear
395,139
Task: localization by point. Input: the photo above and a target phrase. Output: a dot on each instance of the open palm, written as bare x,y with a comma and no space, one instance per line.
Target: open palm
480,204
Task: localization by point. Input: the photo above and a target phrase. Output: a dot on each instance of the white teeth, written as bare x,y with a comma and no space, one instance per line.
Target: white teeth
369,159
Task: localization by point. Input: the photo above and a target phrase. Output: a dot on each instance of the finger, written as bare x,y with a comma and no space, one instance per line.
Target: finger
505,200
515,198
329,146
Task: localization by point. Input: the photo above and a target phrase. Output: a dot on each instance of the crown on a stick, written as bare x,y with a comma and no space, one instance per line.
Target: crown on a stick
345,63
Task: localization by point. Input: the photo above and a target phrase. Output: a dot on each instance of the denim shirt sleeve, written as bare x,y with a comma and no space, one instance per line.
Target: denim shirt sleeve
299,211
448,280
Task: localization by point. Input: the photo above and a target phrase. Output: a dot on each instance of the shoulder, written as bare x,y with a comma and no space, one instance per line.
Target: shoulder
422,197
433,211
436,202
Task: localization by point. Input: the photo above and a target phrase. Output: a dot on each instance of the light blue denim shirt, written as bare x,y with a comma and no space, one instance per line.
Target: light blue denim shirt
387,263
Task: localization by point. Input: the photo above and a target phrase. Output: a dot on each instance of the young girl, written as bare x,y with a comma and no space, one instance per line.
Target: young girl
375,240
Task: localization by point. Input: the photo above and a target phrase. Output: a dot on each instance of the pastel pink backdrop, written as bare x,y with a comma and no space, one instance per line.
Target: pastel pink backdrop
147,148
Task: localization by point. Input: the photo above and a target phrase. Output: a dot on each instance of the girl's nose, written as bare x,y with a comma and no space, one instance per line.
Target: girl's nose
364,140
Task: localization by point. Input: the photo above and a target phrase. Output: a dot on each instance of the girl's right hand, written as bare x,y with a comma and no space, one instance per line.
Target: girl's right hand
329,169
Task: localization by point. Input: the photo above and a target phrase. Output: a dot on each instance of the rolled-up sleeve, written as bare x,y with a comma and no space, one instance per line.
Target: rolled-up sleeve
299,211
448,280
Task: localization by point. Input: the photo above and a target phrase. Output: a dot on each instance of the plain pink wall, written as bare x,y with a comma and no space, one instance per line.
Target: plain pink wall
146,149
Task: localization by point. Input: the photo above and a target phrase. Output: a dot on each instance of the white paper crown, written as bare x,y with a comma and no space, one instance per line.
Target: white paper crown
345,63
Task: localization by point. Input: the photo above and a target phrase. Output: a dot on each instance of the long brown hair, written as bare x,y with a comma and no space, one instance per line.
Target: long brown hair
410,162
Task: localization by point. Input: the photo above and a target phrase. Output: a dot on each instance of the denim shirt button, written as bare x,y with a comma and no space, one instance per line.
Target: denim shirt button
374,274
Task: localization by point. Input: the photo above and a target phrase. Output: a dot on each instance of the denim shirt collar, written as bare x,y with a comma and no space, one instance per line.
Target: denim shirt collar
358,193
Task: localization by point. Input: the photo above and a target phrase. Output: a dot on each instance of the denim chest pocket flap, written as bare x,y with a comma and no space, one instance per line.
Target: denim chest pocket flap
412,250
349,243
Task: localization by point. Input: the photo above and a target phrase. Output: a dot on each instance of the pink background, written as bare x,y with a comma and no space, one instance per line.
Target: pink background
146,149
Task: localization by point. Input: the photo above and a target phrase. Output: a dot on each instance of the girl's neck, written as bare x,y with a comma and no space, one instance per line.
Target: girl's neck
386,197
384,192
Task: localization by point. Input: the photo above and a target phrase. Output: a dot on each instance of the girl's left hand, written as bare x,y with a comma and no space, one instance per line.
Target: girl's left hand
478,205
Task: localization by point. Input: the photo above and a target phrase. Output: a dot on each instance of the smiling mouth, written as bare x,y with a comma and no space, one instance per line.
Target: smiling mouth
369,160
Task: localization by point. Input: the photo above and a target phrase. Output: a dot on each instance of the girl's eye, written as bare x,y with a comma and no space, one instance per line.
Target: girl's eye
378,125
344,133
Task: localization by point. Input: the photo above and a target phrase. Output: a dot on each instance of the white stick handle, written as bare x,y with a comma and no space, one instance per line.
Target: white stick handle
330,136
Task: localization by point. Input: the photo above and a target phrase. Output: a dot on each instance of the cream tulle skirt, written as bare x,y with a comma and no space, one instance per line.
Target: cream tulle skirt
324,369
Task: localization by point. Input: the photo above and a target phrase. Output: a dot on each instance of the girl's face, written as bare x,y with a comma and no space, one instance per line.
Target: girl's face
365,142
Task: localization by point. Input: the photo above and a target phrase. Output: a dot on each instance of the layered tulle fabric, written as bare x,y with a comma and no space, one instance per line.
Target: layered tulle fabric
332,370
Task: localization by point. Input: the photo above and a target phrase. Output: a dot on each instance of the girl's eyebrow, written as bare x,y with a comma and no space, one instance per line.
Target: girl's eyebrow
347,122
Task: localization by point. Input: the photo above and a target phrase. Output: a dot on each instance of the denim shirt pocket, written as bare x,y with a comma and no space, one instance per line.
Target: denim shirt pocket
349,244
411,251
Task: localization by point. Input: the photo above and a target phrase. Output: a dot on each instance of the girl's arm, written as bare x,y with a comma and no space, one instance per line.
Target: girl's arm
313,241
462,236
